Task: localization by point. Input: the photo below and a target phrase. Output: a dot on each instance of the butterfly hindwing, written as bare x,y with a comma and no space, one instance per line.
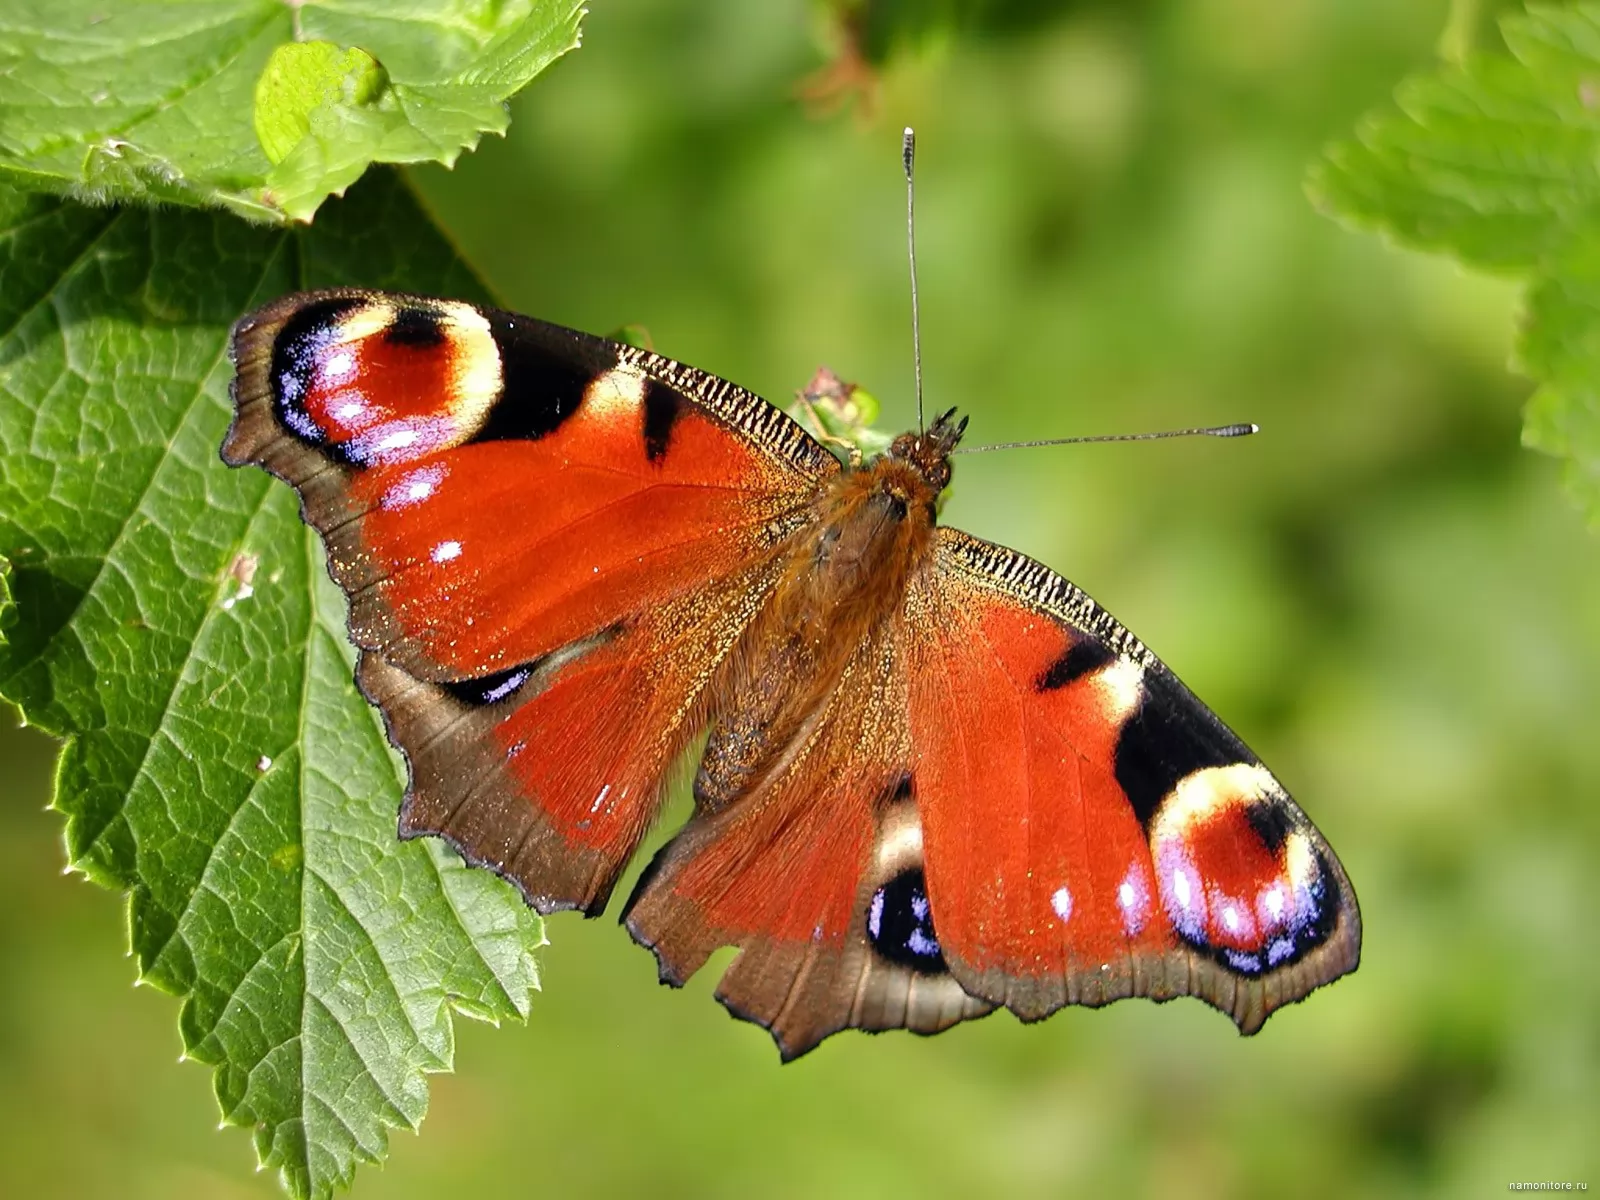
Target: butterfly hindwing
551,774
1092,830
548,541
815,874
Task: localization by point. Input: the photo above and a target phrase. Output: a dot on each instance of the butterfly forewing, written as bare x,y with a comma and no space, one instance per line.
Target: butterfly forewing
815,873
549,540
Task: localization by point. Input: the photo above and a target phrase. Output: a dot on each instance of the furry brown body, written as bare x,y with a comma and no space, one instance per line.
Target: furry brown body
843,579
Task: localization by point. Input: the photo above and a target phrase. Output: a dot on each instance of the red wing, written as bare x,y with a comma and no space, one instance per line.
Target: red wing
816,875
549,540
1092,830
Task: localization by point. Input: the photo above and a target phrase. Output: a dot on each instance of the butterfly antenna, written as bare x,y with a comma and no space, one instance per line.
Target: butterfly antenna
908,158
1227,431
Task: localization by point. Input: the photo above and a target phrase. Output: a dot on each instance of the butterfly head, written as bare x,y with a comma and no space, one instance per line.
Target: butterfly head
929,452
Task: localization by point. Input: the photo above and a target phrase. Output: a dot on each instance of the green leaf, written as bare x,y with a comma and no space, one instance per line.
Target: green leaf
841,416
1560,345
174,622
1497,161
261,106
6,608
300,78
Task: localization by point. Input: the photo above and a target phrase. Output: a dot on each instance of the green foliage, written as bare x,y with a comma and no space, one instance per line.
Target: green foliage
841,415
174,622
882,28
1497,161
260,106
302,78
5,600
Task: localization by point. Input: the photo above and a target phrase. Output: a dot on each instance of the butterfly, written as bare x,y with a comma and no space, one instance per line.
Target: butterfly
936,777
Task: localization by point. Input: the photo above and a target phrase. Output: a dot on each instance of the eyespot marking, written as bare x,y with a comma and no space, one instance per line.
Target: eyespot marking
491,689
1238,872
373,383
298,353
900,925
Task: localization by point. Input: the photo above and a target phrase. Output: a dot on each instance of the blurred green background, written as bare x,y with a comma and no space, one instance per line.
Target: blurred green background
1394,604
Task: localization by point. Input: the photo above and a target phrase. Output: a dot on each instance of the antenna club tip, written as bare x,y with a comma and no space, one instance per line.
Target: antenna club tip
908,149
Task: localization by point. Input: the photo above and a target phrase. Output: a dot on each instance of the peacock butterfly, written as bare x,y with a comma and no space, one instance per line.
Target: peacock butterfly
937,777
